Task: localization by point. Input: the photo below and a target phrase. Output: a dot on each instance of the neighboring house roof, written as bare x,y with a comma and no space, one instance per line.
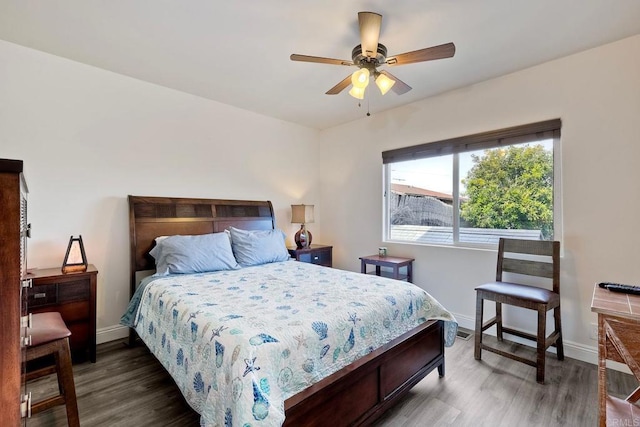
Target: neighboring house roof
444,235
410,189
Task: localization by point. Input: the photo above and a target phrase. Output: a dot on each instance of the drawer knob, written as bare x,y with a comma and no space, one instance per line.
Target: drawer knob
40,295
316,258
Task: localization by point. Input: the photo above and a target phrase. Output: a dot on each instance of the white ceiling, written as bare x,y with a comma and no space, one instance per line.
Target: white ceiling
237,52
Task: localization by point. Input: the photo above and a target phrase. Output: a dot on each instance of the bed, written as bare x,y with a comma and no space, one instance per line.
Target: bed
355,394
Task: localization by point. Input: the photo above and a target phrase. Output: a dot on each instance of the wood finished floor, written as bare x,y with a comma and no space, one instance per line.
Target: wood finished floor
128,387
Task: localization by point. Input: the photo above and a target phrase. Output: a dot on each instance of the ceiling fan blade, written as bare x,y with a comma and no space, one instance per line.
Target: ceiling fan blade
320,60
399,87
369,32
428,54
340,86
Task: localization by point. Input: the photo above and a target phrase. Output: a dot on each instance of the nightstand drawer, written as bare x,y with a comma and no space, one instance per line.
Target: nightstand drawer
316,254
320,257
58,293
74,291
39,296
75,311
79,335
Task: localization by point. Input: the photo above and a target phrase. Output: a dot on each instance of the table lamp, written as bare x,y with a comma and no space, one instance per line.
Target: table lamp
75,260
302,214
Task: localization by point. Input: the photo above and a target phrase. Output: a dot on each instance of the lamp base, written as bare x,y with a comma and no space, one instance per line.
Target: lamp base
74,268
302,240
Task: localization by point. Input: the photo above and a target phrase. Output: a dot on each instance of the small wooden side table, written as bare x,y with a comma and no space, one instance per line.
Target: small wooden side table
73,295
619,340
392,262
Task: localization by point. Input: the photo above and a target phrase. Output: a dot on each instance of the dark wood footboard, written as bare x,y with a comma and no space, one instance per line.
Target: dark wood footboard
362,391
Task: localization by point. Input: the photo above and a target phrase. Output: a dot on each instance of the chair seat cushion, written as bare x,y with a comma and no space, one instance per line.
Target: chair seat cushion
523,292
47,327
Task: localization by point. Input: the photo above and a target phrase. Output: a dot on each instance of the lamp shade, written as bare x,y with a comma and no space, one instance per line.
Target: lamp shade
360,78
357,93
75,258
384,83
302,214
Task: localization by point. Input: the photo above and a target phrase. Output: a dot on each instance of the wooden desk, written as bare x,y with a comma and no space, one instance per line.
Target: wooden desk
619,340
393,262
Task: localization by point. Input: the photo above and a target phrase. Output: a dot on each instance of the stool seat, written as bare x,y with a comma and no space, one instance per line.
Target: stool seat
524,292
47,327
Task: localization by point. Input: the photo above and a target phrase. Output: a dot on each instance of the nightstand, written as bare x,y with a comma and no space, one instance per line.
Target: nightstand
393,263
73,295
315,254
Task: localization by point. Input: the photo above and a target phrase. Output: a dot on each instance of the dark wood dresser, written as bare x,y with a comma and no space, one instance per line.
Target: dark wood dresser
73,295
13,234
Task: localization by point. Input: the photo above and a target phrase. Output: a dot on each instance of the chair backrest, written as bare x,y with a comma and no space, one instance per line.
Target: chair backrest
548,268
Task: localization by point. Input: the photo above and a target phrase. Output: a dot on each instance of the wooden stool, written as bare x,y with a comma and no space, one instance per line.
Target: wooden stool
50,336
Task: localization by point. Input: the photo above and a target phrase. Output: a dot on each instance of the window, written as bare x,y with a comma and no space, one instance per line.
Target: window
475,189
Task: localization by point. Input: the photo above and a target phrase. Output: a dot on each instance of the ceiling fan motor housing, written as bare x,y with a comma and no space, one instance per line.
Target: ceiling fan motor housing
371,63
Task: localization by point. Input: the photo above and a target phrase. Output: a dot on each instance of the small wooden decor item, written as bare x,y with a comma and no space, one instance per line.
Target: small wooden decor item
75,260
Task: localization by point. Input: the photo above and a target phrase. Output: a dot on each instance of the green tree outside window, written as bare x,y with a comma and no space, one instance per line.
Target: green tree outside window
510,188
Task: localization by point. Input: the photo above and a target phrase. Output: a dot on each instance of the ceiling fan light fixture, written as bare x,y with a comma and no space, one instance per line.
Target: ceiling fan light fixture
360,78
384,83
357,92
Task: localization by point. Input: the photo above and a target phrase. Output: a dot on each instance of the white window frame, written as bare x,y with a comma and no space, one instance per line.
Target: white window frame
485,140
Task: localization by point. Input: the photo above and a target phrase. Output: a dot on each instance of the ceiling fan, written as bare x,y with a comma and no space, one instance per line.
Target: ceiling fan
370,54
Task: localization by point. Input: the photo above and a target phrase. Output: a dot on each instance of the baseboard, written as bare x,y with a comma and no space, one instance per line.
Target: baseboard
111,333
572,349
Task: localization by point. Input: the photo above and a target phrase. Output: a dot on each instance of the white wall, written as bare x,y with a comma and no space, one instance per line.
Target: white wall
89,138
596,94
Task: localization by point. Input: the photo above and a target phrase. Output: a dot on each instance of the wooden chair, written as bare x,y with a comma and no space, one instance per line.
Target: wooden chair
50,336
531,297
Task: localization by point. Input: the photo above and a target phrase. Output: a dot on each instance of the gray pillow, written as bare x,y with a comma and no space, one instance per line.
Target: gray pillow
193,254
254,247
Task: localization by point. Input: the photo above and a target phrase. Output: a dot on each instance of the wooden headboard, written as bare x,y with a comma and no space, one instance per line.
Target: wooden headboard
150,217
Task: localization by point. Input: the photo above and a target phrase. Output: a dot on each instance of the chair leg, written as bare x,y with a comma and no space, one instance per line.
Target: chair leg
66,383
499,320
558,323
542,336
478,337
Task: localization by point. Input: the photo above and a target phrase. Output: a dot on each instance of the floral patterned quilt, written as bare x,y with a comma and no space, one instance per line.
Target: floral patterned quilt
238,343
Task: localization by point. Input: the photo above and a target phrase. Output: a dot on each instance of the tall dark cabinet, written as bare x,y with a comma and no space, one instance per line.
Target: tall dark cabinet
13,310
